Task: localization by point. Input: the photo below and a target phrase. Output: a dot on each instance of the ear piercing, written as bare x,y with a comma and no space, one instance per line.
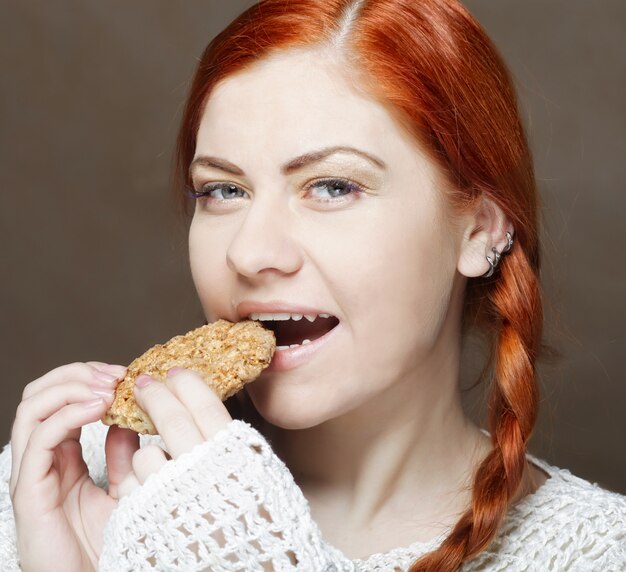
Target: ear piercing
497,256
509,243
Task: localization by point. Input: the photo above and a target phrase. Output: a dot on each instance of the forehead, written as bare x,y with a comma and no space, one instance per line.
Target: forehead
292,103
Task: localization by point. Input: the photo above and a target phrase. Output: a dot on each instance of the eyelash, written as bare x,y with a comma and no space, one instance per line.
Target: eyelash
355,189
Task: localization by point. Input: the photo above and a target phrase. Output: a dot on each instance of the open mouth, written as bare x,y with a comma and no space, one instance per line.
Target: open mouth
300,330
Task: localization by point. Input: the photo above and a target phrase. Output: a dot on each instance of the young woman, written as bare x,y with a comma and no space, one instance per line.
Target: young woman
362,185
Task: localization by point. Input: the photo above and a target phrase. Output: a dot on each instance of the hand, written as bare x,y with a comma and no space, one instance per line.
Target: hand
185,411
60,513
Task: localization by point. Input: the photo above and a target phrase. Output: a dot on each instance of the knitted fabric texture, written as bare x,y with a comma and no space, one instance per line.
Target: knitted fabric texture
193,514
231,504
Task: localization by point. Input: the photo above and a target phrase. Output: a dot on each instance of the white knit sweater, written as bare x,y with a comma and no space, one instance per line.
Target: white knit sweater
232,505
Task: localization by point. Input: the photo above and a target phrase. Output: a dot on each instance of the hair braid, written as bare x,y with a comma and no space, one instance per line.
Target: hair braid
514,298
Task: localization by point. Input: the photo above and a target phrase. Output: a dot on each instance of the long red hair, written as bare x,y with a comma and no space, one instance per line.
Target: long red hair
432,64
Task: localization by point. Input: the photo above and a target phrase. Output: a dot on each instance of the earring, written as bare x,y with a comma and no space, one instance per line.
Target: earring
509,243
497,256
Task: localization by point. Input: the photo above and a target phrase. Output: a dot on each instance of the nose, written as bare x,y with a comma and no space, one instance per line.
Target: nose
264,244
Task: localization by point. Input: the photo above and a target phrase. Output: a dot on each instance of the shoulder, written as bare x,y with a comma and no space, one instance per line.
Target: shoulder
575,496
569,522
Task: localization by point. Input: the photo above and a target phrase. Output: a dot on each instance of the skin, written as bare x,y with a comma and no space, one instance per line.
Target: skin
372,427
60,513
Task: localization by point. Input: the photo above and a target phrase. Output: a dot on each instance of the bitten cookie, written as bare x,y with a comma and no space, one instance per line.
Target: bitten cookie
226,355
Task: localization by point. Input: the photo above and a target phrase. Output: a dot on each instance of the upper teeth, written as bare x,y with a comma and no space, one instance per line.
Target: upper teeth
278,317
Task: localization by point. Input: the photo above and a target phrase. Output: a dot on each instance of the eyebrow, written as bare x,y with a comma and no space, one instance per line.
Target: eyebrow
290,167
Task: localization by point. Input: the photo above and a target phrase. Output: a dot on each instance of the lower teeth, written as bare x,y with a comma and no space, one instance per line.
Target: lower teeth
304,343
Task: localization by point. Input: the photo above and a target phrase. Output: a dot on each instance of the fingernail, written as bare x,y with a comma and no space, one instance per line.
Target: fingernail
143,380
93,403
113,369
174,371
102,376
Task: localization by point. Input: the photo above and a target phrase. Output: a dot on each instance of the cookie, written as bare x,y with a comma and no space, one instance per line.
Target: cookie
226,355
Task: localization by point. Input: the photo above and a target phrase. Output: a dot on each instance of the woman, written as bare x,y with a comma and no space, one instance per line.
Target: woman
362,185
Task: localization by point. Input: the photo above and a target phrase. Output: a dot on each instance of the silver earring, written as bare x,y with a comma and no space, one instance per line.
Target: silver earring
509,243
493,262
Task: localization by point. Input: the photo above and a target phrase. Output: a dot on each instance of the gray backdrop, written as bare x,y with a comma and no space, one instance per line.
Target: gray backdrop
94,260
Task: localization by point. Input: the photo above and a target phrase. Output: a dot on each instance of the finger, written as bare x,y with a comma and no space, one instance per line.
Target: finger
128,485
207,410
41,405
71,464
171,418
39,452
148,460
77,371
36,409
116,370
119,447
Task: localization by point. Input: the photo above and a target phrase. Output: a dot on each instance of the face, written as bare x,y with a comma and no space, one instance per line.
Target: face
361,233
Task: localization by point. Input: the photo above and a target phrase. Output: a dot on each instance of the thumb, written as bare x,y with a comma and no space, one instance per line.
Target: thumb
119,448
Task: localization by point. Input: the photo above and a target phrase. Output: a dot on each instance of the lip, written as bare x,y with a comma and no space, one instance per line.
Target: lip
247,307
284,360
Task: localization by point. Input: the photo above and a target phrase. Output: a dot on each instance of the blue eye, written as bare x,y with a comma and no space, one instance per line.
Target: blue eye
228,191
335,189
335,186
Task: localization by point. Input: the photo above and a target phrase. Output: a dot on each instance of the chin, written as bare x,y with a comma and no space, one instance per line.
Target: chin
288,410
291,417
290,422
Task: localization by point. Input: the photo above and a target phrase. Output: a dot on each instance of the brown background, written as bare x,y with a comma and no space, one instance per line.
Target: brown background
94,260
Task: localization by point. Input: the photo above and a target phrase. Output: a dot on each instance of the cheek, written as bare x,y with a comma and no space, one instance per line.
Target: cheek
395,256
401,272
208,270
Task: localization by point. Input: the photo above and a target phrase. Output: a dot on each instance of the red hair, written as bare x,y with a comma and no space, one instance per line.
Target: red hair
431,63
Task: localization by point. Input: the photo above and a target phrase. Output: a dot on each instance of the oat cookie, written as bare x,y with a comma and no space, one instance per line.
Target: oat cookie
226,355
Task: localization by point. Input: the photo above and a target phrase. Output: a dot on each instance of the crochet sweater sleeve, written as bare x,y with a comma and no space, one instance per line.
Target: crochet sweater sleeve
8,550
228,504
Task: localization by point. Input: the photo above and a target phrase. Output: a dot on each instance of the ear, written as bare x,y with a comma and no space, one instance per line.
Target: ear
486,228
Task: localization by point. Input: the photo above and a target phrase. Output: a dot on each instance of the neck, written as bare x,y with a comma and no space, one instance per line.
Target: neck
411,446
